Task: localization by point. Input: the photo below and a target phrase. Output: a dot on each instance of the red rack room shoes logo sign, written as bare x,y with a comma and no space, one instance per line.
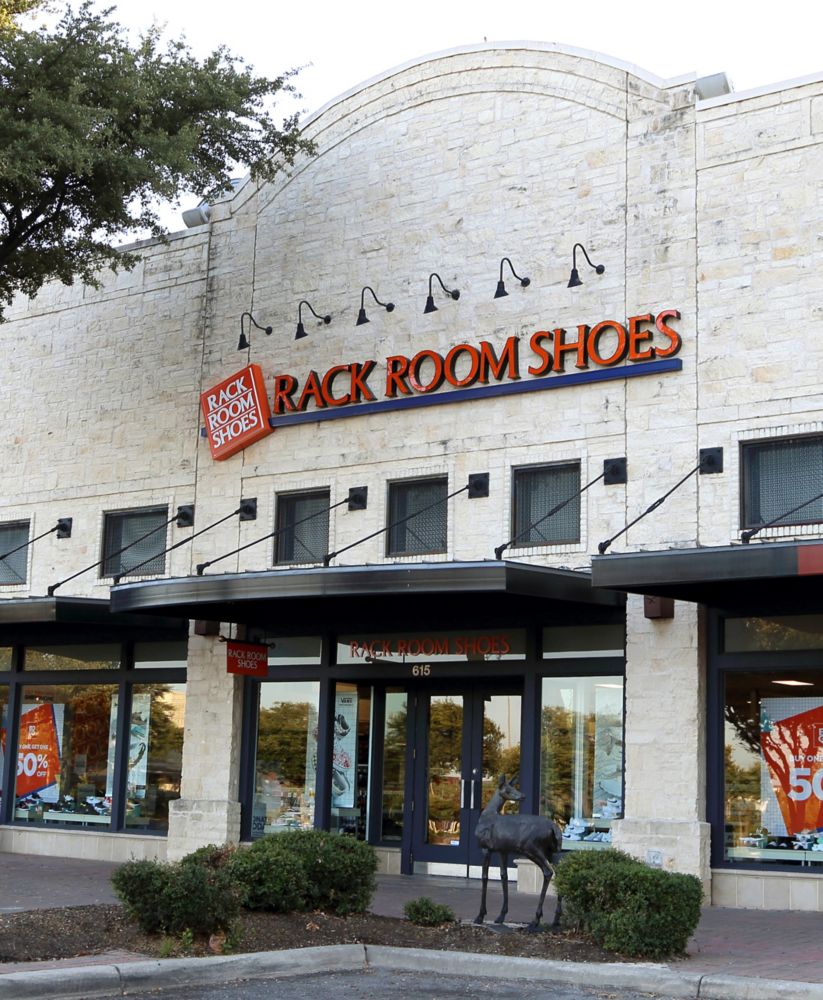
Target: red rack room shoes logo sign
249,658
236,412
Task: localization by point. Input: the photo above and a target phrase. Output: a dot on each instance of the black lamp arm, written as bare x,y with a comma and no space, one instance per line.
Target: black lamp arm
449,291
585,254
368,288
308,305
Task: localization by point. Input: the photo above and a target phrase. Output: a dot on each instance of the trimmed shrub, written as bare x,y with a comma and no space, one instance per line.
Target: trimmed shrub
172,898
339,870
139,885
626,906
212,855
427,913
269,876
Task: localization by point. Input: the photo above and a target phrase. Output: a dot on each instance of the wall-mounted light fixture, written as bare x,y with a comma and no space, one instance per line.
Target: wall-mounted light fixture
501,288
361,316
574,278
243,344
430,306
301,330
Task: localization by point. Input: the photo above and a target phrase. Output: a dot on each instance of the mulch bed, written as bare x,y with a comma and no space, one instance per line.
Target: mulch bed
89,930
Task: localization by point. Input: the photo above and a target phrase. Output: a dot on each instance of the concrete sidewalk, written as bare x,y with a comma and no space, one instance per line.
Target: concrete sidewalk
769,945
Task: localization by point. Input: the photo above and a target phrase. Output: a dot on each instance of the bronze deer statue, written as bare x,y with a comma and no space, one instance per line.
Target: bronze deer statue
536,837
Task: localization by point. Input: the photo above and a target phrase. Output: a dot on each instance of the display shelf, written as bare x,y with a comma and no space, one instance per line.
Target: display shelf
805,858
53,816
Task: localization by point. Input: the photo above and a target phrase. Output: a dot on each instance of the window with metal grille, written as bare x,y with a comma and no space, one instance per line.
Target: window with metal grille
419,507
13,566
303,527
780,475
536,491
142,534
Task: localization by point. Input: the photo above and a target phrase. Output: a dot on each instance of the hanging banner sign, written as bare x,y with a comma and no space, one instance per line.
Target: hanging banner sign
791,737
236,412
248,658
38,751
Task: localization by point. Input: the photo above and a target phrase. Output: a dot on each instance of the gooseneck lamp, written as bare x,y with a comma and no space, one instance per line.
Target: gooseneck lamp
361,316
243,344
501,288
430,306
574,278
301,330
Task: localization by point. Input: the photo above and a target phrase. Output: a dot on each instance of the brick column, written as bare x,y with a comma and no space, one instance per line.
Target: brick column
665,803
208,811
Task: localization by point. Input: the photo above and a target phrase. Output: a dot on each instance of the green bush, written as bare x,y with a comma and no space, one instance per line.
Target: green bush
427,913
172,898
212,855
339,870
269,876
139,885
627,907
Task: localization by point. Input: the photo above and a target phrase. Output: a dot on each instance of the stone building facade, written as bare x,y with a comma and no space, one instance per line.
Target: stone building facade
698,335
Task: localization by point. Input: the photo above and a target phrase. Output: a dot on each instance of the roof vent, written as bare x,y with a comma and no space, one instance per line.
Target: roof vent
197,216
202,214
715,85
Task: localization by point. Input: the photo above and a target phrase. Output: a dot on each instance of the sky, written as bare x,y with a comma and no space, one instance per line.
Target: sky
339,45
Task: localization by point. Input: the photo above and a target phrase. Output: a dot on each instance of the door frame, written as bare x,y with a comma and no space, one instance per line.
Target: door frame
415,849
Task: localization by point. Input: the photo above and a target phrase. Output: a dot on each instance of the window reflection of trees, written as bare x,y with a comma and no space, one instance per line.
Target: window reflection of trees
282,732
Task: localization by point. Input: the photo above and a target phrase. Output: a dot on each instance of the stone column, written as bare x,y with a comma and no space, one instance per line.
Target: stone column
665,795
208,810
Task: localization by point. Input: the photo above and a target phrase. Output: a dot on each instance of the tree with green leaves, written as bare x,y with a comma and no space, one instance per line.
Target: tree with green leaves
94,131
10,10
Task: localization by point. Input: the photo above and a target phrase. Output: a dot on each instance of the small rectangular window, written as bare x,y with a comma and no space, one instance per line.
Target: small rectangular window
778,476
303,527
536,491
418,517
134,542
13,566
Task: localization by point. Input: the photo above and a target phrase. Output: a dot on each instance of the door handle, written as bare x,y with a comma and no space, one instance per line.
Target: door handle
462,793
472,799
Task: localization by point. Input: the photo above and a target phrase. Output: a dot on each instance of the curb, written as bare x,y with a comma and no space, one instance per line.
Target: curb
618,975
86,982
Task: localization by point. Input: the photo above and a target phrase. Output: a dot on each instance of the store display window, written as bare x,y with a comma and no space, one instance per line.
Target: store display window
65,757
394,766
155,754
581,756
351,754
773,767
286,757
98,745
4,702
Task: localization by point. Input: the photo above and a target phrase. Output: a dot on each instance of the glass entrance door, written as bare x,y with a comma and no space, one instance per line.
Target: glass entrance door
463,742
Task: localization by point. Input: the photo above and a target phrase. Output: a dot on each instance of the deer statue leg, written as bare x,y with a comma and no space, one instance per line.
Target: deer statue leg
542,862
558,913
482,914
504,881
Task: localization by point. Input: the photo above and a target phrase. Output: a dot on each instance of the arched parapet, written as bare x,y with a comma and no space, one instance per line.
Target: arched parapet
458,81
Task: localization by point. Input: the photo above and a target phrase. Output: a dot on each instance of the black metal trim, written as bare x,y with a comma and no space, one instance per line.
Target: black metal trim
358,581
682,573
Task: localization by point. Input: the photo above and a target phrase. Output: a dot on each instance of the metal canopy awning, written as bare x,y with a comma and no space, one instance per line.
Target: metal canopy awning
61,618
419,595
788,574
